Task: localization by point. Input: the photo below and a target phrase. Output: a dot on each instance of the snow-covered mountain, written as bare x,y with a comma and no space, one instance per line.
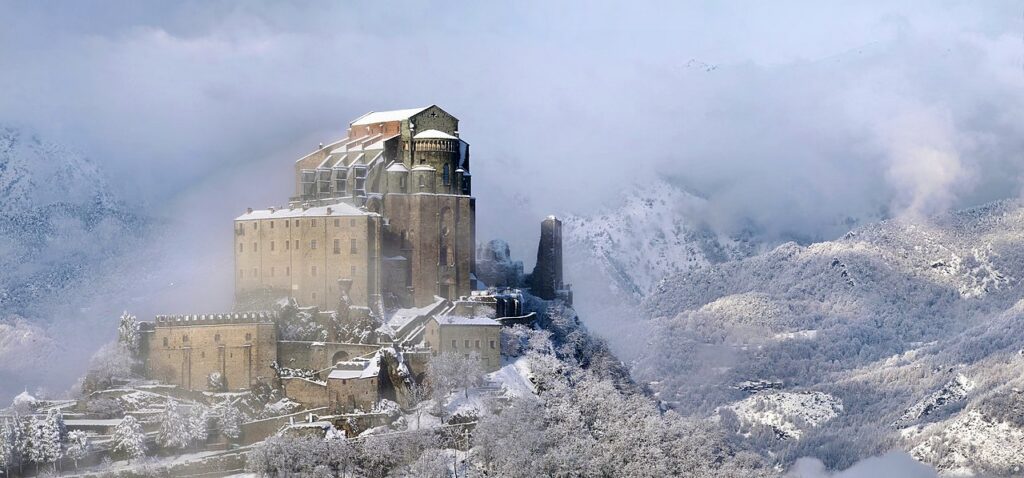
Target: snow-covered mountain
61,230
651,233
58,218
915,327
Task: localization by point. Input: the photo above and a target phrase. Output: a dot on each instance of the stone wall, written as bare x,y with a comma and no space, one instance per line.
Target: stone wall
319,355
307,392
466,340
185,354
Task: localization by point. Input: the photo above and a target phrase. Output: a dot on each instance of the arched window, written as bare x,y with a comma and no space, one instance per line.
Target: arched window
446,176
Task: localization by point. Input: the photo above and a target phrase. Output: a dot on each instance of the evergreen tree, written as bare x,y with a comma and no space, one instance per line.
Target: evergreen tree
78,446
46,445
174,428
230,420
129,438
128,333
198,425
7,447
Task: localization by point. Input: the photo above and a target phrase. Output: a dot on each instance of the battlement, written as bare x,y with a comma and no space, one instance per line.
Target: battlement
190,320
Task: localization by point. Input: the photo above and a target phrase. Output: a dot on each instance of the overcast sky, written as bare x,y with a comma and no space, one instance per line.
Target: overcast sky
792,116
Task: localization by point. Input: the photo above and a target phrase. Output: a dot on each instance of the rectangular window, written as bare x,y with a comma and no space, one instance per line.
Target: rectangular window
287,244
271,224
312,223
248,337
477,344
352,272
241,247
337,246
254,225
271,245
313,271
286,223
467,343
296,223
296,244
352,246
337,223
312,244
254,247
492,344
352,223
453,344
287,271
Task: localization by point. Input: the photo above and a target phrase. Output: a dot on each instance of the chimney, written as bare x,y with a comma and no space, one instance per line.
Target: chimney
321,146
272,209
248,210
329,210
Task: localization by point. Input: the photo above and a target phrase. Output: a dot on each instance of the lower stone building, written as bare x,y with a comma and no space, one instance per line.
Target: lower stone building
467,336
353,386
211,352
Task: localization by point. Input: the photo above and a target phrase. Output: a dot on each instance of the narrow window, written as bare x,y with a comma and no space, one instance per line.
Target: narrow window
216,337
287,244
248,336
492,344
352,272
286,223
352,223
296,244
271,245
312,244
254,225
467,343
337,223
165,341
337,246
184,338
477,344
271,224
287,271
352,246
446,175
313,271
241,247
453,344
254,247
296,223
312,223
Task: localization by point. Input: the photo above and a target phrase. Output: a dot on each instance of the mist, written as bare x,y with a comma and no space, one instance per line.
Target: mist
799,119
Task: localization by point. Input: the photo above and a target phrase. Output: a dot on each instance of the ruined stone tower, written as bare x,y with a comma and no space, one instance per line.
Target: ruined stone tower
546,280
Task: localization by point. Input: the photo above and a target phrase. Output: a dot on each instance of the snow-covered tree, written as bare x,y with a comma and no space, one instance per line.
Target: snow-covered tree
174,428
448,372
8,446
109,362
198,425
129,439
128,333
24,403
230,420
78,446
46,444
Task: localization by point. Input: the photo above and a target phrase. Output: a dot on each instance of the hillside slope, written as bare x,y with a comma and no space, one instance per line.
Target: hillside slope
913,326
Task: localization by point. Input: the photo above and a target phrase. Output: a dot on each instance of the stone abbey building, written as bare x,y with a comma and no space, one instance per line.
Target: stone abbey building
379,237
388,207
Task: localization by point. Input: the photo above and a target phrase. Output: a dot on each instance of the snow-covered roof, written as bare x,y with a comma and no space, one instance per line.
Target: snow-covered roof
92,422
353,370
423,167
375,117
337,209
397,167
433,134
460,320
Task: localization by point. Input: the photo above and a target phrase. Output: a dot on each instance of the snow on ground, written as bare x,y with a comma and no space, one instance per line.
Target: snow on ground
789,413
513,378
970,443
954,391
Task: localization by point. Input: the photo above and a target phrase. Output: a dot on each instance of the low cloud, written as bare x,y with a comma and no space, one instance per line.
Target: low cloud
895,464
